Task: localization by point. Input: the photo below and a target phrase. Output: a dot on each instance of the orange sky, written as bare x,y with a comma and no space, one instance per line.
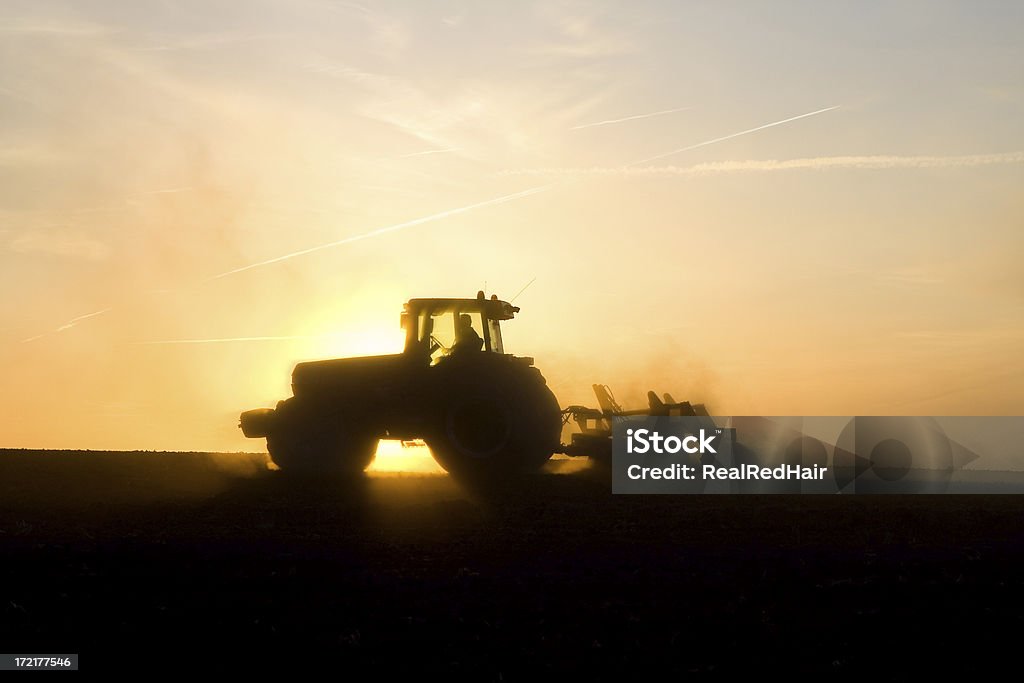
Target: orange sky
863,260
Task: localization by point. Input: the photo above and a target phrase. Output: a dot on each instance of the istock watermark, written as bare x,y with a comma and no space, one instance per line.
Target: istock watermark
645,440
825,455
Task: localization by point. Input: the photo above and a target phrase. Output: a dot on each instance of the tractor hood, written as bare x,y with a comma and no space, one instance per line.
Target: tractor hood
348,376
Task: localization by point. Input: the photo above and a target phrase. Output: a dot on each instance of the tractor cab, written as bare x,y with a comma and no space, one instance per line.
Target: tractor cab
439,328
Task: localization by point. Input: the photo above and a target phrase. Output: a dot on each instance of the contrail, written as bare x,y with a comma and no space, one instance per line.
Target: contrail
387,229
429,151
630,118
169,190
66,326
337,243
433,217
231,339
874,162
733,135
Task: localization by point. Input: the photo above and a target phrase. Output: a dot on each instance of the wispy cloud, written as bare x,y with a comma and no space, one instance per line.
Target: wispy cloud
429,151
30,155
910,277
202,42
631,118
581,34
21,97
386,32
904,276
229,340
876,162
60,242
399,103
964,338
50,27
167,190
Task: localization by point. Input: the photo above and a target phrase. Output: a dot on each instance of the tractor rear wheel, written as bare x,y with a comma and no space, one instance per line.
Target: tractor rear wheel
494,422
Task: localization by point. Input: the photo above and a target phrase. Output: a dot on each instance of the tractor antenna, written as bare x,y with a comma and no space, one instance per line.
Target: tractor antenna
522,290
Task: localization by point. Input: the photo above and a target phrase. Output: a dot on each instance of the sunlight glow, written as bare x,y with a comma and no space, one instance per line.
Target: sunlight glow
193,202
412,457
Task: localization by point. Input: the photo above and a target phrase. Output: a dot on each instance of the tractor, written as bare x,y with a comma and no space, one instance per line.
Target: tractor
480,410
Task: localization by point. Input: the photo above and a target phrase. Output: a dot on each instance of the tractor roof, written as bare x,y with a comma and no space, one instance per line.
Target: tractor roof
493,308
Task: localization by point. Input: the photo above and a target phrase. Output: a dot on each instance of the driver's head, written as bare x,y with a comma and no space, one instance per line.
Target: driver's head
465,321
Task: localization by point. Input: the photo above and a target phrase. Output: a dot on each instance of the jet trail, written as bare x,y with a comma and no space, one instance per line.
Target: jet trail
231,339
433,217
502,199
387,229
733,135
630,118
509,197
66,326
429,151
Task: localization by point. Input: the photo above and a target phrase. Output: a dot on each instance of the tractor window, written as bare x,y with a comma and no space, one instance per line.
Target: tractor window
437,332
440,331
494,336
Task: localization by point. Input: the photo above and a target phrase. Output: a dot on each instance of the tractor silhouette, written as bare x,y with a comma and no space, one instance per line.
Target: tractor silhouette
479,409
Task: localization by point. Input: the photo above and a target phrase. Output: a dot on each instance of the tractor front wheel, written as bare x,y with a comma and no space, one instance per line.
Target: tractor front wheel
311,442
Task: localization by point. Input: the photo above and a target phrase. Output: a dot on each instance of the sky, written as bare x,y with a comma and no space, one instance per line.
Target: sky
794,208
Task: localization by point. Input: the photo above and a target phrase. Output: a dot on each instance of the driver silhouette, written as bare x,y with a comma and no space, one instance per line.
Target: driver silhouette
466,338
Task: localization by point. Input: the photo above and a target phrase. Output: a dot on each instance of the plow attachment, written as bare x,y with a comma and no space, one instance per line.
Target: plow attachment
594,438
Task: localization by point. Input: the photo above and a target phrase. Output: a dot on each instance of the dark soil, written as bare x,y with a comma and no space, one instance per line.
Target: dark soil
157,560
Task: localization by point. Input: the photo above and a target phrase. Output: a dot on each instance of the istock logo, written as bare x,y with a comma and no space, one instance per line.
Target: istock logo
647,441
